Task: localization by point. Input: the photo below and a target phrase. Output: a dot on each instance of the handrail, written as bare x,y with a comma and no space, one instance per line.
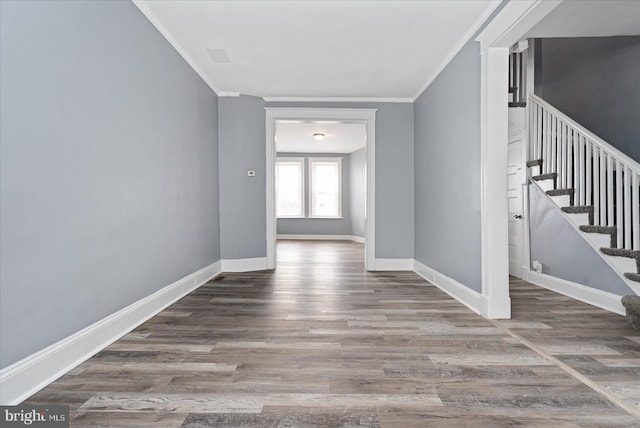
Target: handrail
633,164
597,174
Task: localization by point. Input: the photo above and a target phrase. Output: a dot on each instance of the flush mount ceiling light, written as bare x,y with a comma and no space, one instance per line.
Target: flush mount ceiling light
318,136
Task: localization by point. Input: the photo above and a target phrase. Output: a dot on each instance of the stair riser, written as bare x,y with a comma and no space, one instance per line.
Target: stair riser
561,201
599,240
535,170
581,219
546,185
622,264
635,286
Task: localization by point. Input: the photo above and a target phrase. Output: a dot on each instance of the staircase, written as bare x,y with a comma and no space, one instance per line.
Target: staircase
593,183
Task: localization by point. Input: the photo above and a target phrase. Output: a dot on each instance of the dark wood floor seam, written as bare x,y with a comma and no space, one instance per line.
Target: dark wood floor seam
570,371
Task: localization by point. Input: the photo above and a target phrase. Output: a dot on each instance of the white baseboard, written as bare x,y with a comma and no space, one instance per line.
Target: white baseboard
297,237
601,299
244,265
394,264
29,375
470,298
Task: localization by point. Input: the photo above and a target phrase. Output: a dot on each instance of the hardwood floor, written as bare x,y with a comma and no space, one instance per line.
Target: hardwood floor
321,343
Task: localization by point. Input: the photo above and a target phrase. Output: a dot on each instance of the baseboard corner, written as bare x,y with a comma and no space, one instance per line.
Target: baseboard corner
393,264
465,295
244,265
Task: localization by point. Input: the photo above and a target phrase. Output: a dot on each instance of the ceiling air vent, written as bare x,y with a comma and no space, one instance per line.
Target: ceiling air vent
218,55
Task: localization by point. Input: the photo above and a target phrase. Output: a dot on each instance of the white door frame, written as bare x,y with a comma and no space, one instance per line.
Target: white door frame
366,116
508,27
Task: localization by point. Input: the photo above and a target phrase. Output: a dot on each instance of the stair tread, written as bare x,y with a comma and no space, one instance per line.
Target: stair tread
612,231
536,162
621,252
517,104
560,192
633,276
581,209
549,176
578,209
599,229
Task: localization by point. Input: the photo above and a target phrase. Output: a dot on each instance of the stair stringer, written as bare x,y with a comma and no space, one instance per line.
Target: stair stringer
595,242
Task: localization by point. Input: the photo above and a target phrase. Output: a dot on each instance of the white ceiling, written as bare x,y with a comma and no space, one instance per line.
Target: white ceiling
594,18
297,137
319,49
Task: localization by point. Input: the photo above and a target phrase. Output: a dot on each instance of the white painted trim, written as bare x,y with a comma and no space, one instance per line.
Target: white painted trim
526,237
301,237
29,375
244,265
358,239
514,21
229,94
494,207
601,299
337,100
146,11
394,264
368,116
504,30
468,297
458,46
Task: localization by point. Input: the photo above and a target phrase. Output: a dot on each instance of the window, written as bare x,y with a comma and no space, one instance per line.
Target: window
290,187
326,195
321,199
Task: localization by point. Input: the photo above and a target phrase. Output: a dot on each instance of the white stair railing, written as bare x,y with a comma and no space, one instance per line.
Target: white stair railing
599,174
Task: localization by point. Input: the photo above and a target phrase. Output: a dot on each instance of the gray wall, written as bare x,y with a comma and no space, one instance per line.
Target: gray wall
108,174
320,226
242,198
563,252
358,191
596,81
394,174
447,170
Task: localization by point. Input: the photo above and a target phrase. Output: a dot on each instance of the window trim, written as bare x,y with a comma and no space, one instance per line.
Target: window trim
301,162
325,159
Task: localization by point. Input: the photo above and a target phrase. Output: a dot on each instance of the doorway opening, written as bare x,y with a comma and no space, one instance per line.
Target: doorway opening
312,169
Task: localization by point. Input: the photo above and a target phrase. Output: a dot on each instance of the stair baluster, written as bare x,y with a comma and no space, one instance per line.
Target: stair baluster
600,180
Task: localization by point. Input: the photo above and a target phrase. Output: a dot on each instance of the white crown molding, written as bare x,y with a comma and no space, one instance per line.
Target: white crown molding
514,20
29,375
337,100
143,6
229,94
458,46
601,299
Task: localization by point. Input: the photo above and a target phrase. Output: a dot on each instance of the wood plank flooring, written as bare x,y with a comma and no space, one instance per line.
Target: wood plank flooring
321,343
